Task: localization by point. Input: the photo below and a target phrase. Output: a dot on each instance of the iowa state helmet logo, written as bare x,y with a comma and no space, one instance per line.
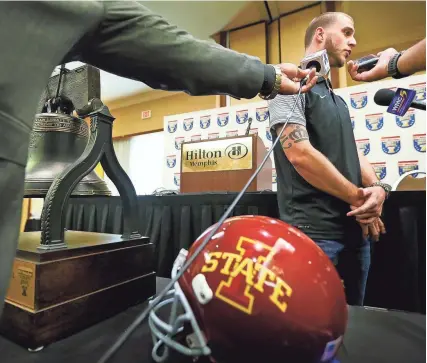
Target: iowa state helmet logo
172,126
222,119
171,161
262,114
242,116
391,145
205,122
380,169
188,124
420,142
374,122
359,100
364,145
407,120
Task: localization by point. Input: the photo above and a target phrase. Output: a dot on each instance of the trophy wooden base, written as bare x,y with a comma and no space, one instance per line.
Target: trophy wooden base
56,293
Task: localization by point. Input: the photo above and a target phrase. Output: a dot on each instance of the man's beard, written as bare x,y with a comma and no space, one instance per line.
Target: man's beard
333,54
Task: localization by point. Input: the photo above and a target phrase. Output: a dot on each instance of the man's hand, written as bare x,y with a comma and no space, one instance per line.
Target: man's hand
371,208
373,230
291,77
376,73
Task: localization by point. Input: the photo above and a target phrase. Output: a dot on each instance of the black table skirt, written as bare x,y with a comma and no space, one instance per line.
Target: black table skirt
372,336
397,276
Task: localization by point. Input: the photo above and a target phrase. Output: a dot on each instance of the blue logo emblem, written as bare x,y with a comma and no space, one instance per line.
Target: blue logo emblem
205,122
268,135
405,166
188,124
374,122
420,88
380,170
420,142
407,120
359,100
222,119
171,161
178,142
242,116
391,145
364,145
177,179
172,126
262,114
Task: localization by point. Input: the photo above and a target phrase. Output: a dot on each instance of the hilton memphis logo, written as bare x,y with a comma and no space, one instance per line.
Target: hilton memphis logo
215,155
202,157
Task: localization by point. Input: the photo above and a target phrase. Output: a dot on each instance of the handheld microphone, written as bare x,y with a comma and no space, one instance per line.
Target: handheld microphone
384,97
319,61
249,126
366,63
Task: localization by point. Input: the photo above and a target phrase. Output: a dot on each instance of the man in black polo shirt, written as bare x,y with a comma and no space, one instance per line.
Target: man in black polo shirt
320,174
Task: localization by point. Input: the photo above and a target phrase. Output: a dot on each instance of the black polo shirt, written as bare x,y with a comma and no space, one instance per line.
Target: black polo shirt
327,120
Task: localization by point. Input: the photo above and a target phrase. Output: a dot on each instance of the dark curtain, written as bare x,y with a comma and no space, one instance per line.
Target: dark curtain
397,276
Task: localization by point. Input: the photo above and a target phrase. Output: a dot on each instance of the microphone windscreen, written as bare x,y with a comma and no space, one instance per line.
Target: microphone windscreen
383,97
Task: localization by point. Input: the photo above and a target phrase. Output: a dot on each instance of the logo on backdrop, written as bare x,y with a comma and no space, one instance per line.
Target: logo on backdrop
178,141
262,114
391,144
420,142
232,133
420,88
196,137
352,122
172,126
268,134
273,176
222,119
364,145
205,122
242,116
407,120
380,169
359,100
405,166
374,122
213,135
188,124
177,179
171,161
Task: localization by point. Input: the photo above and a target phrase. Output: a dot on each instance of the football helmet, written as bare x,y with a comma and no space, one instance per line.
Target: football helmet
261,291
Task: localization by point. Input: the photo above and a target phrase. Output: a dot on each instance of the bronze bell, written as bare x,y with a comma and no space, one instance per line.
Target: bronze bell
57,140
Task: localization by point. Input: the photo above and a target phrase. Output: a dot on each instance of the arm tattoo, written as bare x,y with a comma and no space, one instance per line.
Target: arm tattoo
298,134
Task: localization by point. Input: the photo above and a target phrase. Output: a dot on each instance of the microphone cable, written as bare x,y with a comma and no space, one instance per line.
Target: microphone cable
139,319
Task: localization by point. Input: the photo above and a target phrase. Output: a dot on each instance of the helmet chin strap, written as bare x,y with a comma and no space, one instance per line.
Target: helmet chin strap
173,283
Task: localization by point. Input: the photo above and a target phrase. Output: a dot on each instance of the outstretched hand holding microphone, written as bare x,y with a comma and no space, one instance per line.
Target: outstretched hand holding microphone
392,63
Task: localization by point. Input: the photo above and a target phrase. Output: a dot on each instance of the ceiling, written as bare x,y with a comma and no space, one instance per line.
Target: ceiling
202,19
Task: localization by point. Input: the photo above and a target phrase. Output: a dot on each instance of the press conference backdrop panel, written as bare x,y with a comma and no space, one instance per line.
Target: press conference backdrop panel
392,144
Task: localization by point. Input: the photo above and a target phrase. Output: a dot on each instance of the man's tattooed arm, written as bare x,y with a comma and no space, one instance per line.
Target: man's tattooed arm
293,134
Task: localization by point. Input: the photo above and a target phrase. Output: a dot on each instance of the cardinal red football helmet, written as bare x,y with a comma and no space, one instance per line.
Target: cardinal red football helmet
260,292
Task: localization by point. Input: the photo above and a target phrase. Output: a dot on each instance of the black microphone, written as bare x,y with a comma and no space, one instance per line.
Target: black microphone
384,96
249,126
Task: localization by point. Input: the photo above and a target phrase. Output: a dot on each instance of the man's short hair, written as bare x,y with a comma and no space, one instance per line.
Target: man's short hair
323,20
